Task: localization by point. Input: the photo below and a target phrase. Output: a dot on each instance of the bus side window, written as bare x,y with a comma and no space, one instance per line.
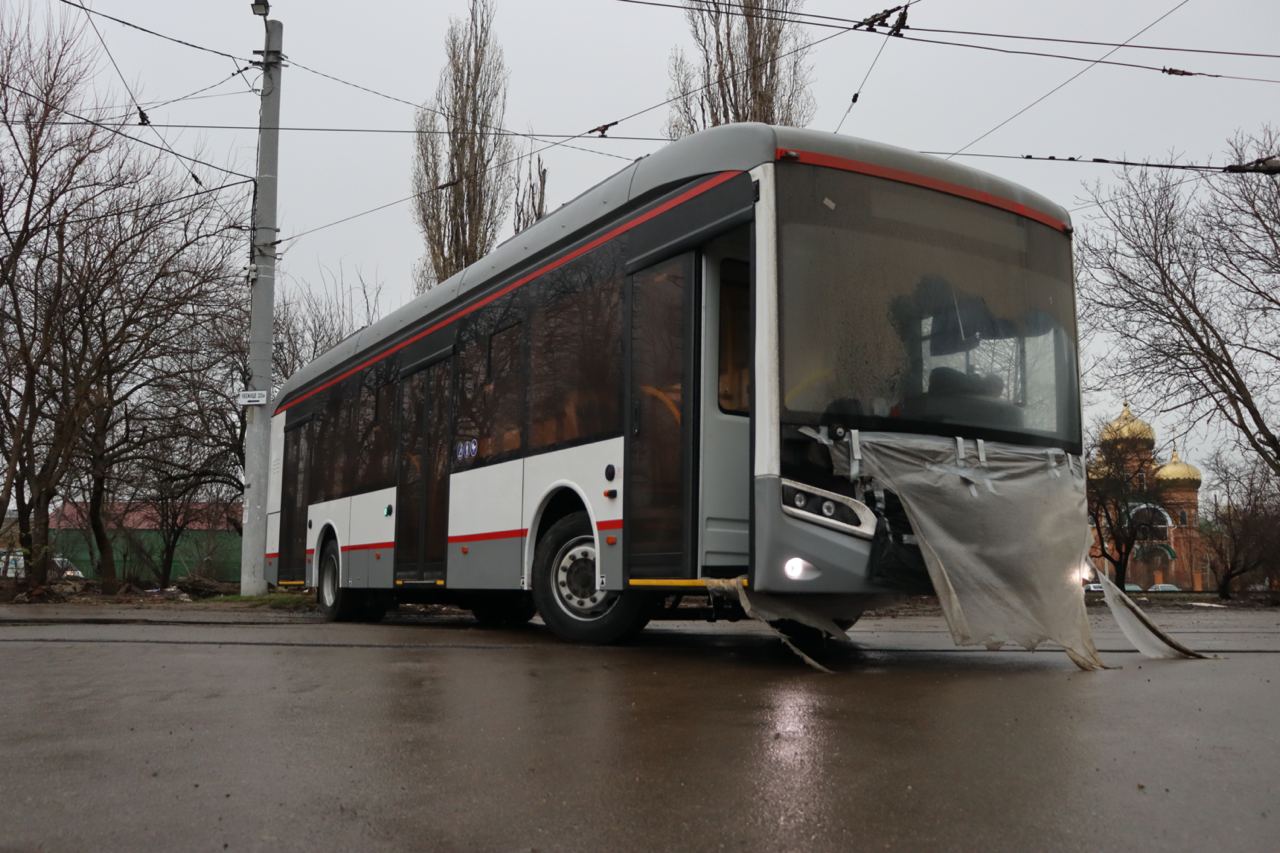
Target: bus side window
575,354
375,454
490,394
504,388
735,338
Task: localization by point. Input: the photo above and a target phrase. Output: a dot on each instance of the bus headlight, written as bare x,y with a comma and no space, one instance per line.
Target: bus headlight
829,509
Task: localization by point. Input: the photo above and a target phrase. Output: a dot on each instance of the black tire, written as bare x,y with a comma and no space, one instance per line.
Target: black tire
336,604
589,616
503,609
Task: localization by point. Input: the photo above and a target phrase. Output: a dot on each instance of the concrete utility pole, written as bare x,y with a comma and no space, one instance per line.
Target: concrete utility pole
262,278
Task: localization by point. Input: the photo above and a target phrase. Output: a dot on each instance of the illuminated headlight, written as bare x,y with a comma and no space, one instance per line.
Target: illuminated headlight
828,509
800,499
798,570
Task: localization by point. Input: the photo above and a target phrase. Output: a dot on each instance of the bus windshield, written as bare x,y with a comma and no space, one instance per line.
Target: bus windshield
907,309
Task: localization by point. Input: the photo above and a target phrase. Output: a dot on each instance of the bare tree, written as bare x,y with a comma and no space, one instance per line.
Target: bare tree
1183,291
109,261
313,319
462,171
531,191
750,65
1243,525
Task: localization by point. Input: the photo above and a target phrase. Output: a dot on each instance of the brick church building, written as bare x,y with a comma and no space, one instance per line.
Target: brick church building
1169,547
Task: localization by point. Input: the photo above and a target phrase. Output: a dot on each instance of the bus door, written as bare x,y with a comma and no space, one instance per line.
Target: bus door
293,502
422,479
661,390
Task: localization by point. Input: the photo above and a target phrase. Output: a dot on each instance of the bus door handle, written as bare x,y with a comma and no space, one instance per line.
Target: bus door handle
635,417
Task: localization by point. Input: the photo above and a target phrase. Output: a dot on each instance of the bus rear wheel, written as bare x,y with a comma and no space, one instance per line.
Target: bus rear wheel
564,588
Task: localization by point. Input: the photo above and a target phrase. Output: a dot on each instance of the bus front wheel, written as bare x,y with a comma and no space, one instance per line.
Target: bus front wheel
336,604
565,589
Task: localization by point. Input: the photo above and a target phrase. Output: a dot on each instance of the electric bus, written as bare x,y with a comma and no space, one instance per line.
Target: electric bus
621,402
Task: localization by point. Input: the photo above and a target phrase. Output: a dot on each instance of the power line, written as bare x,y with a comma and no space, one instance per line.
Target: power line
150,32
118,132
294,63
601,131
190,96
1161,69
894,30
1048,158
1089,161
1069,80
161,203
142,116
1021,37
441,113
401,131
167,101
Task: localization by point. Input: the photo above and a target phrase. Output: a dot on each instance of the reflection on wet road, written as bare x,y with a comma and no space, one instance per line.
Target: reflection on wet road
440,735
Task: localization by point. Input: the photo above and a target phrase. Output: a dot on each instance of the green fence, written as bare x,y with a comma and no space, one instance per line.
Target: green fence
213,553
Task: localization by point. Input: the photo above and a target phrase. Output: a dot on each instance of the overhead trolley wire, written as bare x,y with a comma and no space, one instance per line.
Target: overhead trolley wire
1019,36
163,202
600,130
233,57
401,131
190,96
118,132
894,30
151,32
533,137
1066,82
142,115
1047,158
1162,69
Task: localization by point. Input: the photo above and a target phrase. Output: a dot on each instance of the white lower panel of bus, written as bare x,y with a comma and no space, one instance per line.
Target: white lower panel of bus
364,526
495,511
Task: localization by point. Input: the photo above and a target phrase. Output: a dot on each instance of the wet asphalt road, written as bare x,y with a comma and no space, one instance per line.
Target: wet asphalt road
439,735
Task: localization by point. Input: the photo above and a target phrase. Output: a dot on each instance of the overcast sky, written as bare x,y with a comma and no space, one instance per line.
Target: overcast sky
575,64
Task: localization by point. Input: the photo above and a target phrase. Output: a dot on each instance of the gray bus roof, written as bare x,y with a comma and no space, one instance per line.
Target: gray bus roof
735,147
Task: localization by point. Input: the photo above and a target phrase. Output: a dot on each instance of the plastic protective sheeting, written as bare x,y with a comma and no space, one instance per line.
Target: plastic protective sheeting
1002,530
1139,630
773,610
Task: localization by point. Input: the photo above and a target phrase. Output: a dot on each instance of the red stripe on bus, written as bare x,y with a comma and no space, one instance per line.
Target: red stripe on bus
815,159
368,546
615,524
692,192
273,555
495,534
311,551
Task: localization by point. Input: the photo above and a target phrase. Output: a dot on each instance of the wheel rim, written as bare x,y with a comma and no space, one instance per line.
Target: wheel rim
329,581
574,581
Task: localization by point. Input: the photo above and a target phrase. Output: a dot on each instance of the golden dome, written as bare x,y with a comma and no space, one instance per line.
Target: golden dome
1128,427
1177,471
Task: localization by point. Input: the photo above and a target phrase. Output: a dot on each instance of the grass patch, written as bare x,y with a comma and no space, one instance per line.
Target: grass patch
272,601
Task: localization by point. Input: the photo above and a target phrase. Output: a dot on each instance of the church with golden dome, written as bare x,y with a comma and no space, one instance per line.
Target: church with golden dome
1164,507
